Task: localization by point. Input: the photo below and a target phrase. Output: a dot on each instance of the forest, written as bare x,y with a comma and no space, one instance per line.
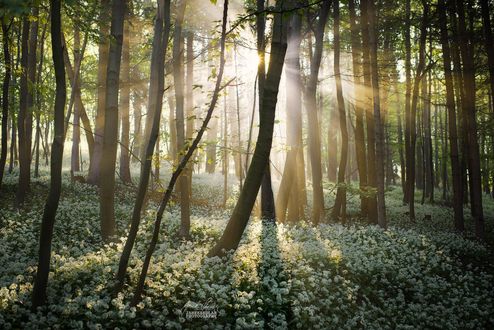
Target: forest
247,164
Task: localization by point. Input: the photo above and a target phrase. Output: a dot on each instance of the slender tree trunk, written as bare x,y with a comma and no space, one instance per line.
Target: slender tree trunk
76,131
289,193
267,199
110,136
408,118
488,44
413,111
369,116
379,132
183,163
313,121
178,78
103,52
450,105
51,206
359,112
339,209
125,104
5,97
466,49
24,150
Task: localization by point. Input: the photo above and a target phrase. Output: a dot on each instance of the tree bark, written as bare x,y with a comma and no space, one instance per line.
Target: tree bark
339,209
76,131
110,135
103,49
183,163
156,89
125,104
5,97
48,220
450,105
359,112
313,121
379,132
241,213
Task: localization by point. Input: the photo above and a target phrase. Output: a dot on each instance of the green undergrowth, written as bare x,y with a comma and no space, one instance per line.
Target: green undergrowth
333,276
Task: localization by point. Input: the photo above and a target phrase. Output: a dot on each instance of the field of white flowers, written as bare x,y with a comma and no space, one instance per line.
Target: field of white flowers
333,276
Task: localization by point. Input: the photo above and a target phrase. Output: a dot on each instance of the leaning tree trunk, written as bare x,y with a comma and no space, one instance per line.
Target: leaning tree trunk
267,199
155,102
48,220
110,136
183,163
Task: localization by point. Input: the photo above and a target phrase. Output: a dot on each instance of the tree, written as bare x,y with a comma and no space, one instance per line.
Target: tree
5,97
51,205
314,135
450,105
178,82
124,170
339,209
103,49
155,102
243,208
359,112
110,135
381,207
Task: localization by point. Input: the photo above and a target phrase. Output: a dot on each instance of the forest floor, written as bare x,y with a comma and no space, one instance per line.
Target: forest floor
333,276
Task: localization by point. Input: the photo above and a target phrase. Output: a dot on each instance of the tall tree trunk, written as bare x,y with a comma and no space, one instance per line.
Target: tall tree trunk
183,163
313,121
450,105
289,194
99,127
76,131
413,111
369,116
489,46
110,135
466,49
156,89
5,97
241,213
22,118
339,209
408,118
379,132
267,199
51,206
125,104
359,112
178,78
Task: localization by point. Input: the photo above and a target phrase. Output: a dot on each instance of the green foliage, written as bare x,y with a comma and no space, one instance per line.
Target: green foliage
331,276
